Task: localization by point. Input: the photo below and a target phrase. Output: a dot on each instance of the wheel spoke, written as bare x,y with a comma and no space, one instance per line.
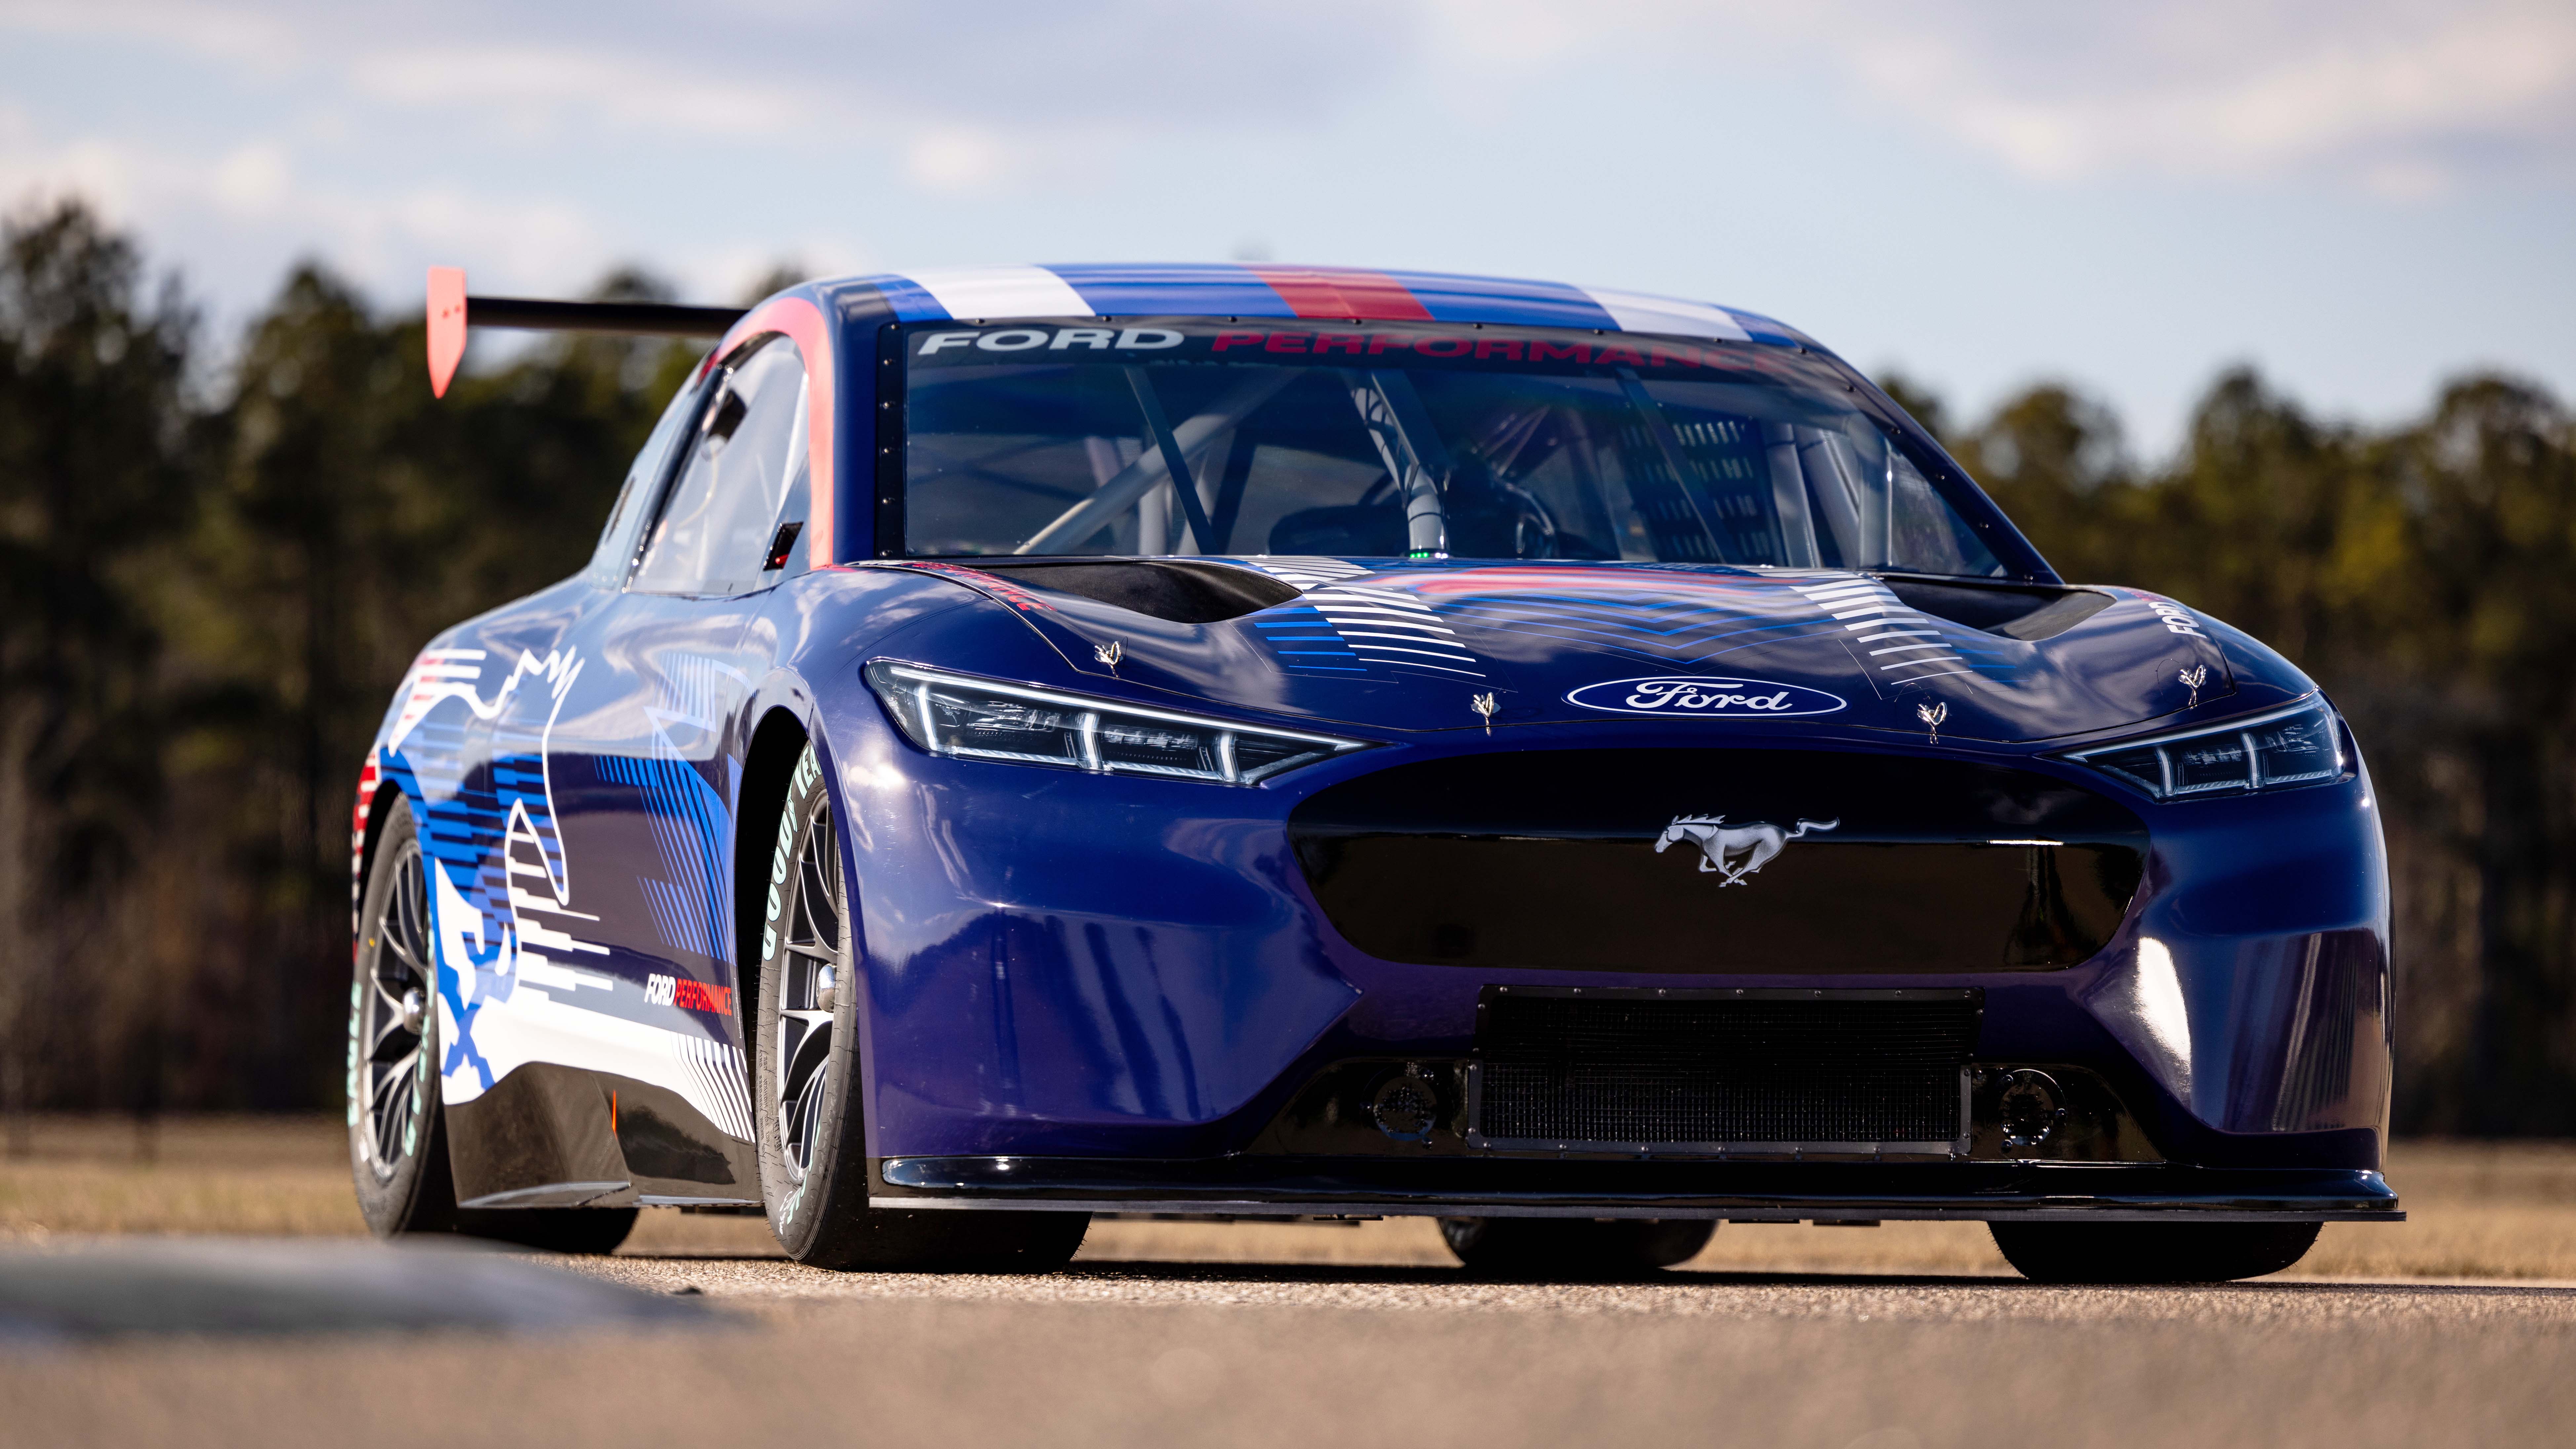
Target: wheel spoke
819,886
808,1055
390,1074
396,947
389,1112
399,1043
409,899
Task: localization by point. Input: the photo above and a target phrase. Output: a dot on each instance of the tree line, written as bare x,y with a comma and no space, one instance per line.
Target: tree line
215,576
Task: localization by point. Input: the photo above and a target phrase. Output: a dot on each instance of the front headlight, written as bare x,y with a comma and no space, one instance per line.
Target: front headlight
981,719
2276,751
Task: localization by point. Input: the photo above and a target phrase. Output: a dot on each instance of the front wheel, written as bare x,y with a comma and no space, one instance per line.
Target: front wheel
2151,1252
813,1138
1573,1247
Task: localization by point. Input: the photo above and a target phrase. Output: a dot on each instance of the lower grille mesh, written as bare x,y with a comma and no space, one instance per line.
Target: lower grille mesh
1599,1068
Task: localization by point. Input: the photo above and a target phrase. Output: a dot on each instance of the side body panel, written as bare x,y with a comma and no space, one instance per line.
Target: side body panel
576,759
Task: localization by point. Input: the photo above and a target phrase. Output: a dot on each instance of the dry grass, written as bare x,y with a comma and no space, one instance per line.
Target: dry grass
256,1175
2477,1210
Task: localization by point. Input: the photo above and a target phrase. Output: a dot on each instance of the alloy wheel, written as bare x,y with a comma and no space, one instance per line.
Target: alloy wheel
808,999
390,1005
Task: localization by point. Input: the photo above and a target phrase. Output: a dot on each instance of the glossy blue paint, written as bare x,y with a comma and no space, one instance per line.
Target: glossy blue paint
1060,963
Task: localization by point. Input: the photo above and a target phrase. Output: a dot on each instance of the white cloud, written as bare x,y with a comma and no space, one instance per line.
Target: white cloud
537,90
2397,96
956,160
252,180
250,199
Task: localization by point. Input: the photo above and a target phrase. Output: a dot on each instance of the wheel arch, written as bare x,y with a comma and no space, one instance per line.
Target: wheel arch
377,790
776,742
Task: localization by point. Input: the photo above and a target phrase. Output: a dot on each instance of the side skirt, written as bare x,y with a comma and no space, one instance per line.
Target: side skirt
557,1136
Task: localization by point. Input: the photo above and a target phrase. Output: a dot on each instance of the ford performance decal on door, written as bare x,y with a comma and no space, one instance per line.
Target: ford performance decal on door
1704,697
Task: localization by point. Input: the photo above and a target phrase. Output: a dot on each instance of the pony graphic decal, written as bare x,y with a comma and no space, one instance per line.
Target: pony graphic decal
1734,851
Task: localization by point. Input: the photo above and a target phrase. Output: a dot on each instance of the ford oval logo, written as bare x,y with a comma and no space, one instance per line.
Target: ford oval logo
1704,698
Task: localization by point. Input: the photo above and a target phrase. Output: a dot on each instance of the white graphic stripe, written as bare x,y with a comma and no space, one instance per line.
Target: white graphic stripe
1640,312
723,1091
1389,633
975,293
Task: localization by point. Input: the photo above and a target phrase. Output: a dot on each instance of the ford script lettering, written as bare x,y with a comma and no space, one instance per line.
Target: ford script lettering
1704,697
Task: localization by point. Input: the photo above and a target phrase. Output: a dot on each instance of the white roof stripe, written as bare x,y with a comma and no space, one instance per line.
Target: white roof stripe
986,292
1639,312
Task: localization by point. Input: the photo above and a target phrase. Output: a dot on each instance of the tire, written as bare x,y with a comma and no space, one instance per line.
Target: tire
397,1129
2151,1252
806,1082
397,1154
1573,1247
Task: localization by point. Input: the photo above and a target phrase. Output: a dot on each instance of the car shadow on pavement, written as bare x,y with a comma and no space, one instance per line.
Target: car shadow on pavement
1362,1275
1355,1274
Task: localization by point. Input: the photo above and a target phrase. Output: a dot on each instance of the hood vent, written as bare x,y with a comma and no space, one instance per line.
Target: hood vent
2015,611
1184,591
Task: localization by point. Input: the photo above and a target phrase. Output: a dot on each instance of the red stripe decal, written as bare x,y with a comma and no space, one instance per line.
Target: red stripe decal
1340,295
802,321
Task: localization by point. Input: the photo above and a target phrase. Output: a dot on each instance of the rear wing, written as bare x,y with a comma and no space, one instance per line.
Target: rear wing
451,311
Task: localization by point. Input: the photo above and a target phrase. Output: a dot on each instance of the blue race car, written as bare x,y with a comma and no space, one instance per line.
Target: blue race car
1283,742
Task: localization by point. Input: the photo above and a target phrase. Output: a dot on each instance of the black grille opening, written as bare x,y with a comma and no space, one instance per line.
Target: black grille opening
1878,1067
1567,860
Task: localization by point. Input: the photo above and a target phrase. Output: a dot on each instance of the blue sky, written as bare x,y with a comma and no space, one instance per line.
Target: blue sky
2360,198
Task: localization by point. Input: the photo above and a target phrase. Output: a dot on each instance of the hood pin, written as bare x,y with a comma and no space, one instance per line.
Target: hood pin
1109,653
1932,715
1484,706
2195,676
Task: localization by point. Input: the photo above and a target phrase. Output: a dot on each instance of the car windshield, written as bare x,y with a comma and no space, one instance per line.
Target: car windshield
1188,436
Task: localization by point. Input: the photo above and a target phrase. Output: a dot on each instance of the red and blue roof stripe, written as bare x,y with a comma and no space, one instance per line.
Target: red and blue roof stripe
1299,293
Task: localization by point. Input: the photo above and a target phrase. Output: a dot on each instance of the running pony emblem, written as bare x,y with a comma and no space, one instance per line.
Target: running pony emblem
1733,851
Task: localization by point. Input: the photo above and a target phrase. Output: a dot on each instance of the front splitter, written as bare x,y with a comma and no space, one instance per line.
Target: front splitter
1734,1191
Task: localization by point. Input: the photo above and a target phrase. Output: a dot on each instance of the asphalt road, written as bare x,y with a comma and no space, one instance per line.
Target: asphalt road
1331,1354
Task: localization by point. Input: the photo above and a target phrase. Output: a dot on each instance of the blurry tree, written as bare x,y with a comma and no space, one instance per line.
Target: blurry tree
1919,401
95,467
2483,625
2054,459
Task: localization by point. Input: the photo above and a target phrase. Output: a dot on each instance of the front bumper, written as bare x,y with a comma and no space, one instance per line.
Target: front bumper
1758,1192
1120,985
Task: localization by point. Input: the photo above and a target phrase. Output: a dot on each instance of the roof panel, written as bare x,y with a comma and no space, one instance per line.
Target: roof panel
1187,289
1224,289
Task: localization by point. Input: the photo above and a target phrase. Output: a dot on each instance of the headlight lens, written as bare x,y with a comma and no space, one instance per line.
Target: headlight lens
980,719
2277,751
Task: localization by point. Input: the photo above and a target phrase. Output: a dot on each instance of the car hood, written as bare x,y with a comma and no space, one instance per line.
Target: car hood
1414,645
